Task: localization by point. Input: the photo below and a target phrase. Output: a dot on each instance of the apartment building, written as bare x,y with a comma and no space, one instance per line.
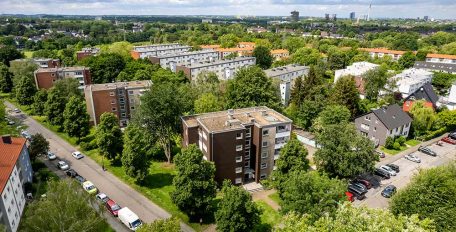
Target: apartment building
87,52
381,52
439,67
120,98
41,62
210,47
171,60
45,77
357,69
140,52
280,54
411,80
244,144
246,45
15,171
256,30
441,58
286,75
382,123
225,69
239,51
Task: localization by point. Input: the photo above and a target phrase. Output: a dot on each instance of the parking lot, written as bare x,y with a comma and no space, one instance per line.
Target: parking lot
445,154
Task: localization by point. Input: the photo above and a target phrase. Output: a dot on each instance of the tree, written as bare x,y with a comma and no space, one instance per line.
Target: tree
104,68
405,41
228,40
407,60
351,218
161,225
331,115
293,43
306,56
344,152
160,112
251,87
236,211
76,119
337,59
263,57
430,194
25,90
375,81
109,136
443,81
54,107
6,79
2,111
136,152
446,119
39,101
449,48
207,103
423,118
379,43
312,193
345,93
9,53
304,87
194,183
38,146
47,214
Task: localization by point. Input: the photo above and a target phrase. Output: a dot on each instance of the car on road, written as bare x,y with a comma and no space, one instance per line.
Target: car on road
51,156
388,169
357,192
128,218
16,110
449,140
62,165
452,135
382,173
26,135
71,173
102,197
413,158
394,167
364,182
77,155
89,187
80,179
10,122
427,151
389,191
381,154
112,207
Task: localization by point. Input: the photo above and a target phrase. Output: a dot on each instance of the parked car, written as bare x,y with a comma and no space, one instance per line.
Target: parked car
102,197
449,140
381,173
128,218
89,187
350,196
360,186
113,207
62,165
380,153
364,182
51,156
11,122
452,135
16,110
388,169
389,191
77,155
358,193
26,135
80,179
413,158
71,173
394,167
427,151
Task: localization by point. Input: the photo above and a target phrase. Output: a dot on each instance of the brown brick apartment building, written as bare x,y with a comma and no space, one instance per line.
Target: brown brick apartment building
41,62
243,143
45,77
120,98
87,52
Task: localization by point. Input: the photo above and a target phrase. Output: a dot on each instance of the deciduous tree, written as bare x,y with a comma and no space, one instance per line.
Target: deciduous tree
6,79
38,146
136,152
407,60
423,118
207,103
25,90
104,68
109,136
9,53
263,57
162,225
345,93
76,119
54,107
39,101
375,81
332,114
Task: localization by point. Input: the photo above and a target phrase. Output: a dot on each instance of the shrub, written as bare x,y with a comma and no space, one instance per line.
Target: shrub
389,142
87,146
396,146
401,140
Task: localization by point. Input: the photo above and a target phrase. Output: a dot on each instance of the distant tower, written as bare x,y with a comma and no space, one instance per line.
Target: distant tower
426,18
327,17
334,17
368,12
295,16
352,16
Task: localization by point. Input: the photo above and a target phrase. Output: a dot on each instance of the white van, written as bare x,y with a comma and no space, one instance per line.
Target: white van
130,219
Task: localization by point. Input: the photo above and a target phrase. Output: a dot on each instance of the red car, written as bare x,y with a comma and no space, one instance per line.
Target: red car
350,196
449,140
112,207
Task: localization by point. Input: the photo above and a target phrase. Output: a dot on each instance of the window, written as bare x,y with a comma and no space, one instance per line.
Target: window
375,128
247,164
264,165
238,181
248,132
265,132
114,109
364,126
130,92
238,159
247,143
264,154
124,115
113,101
367,118
239,136
238,169
112,93
52,74
265,143
247,155
263,176
132,107
238,147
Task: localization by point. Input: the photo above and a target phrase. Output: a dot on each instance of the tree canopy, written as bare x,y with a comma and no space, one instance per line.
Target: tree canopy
263,57
109,136
136,152
38,146
76,119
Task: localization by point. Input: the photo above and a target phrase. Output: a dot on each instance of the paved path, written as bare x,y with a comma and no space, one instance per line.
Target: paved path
106,182
264,195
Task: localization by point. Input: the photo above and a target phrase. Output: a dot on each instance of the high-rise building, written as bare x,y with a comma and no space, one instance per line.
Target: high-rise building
295,16
286,75
426,18
334,17
45,77
352,15
327,16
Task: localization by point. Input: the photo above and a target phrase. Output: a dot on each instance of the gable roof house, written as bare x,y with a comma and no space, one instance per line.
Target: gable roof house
384,122
426,93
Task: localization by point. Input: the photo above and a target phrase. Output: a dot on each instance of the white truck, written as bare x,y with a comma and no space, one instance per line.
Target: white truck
130,219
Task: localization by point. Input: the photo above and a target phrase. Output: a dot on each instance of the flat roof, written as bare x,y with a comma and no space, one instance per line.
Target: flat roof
275,72
35,59
115,85
62,69
217,62
9,153
236,119
382,50
169,55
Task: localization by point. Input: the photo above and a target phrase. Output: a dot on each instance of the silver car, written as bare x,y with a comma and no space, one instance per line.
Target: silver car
388,169
413,158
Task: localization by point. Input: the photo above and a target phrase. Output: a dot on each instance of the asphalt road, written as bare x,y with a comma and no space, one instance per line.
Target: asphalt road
445,154
107,183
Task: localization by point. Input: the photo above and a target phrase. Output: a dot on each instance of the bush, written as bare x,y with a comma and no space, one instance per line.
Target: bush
396,146
87,146
389,143
433,134
401,140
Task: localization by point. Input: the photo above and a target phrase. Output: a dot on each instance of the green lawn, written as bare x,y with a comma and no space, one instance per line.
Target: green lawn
28,54
410,143
269,217
275,197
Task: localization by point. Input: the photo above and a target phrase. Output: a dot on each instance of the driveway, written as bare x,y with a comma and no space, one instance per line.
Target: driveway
107,183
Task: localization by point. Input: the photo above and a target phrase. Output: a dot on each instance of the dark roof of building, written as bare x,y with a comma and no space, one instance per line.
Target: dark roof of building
444,67
425,92
9,153
392,116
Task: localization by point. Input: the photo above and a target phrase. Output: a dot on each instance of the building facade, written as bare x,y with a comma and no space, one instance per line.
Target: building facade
382,123
41,62
120,98
243,143
45,77
441,58
381,52
172,60
239,51
15,171
87,52
140,52
294,16
410,80
280,54
287,75
224,69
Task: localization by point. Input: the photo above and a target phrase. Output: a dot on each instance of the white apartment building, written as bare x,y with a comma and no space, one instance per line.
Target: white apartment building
382,52
356,69
411,80
450,101
172,60
287,74
441,58
140,52
225,69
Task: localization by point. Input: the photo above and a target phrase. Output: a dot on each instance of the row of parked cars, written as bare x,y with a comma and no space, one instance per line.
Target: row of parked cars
125,215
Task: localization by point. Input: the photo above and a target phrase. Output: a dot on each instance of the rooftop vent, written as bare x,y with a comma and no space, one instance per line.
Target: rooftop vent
264,113
6,139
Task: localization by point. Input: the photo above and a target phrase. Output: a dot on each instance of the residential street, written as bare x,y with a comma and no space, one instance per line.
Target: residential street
107,183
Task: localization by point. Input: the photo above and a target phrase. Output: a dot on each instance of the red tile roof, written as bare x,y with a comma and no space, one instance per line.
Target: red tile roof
382,50
407,106
9,153
441,56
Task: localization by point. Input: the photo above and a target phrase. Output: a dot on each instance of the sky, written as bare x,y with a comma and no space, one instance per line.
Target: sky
439,9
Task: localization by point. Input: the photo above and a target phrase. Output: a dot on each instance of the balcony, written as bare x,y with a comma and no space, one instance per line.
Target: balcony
276,157
280,145
283,133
